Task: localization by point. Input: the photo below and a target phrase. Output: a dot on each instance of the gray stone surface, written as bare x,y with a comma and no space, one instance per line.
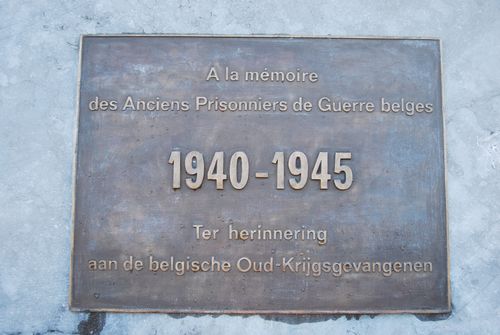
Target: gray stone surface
38,67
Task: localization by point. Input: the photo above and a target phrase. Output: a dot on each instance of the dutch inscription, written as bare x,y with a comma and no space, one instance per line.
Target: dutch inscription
284,181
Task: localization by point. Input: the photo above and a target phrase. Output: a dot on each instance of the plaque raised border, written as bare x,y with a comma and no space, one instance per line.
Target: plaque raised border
294,311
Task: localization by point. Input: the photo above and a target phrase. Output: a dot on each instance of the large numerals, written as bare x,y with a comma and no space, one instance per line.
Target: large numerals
196,167
239,158
298,166
175,159
216,170
279,160
239,170
320,171
339,156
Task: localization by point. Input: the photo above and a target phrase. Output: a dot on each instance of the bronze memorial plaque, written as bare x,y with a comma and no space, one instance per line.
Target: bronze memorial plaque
260,175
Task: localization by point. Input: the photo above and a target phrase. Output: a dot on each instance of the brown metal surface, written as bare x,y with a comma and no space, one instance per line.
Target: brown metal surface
393,213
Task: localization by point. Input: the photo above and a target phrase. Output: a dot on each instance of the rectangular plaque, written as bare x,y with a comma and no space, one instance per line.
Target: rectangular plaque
280,175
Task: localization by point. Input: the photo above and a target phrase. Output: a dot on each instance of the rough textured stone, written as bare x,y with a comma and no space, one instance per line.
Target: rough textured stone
38,68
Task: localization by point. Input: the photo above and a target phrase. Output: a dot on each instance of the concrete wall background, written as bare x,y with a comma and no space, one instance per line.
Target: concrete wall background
38,69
